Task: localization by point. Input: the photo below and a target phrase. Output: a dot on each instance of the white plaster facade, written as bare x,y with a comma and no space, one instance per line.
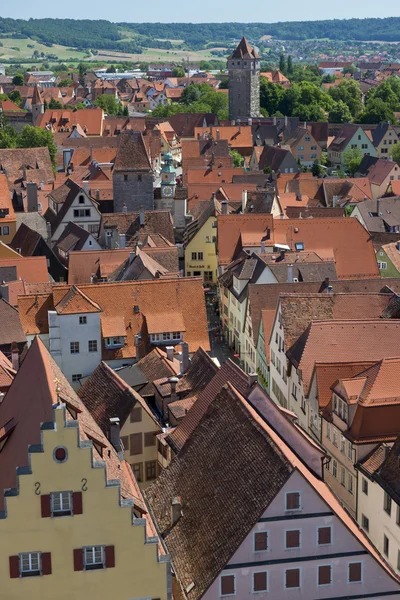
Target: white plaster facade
83,211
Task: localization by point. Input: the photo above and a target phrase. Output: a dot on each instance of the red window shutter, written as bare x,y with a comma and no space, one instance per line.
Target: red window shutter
45,504
46,563
110,557
14,566
78,559
261,541
293,539
77,503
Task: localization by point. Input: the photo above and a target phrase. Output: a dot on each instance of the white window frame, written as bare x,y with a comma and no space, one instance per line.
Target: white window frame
75,351
220,584
331,581
83,320
300,504
91,342
284,539
30,572
252,583
254,541
362,522
94,565
364,481
62,511
362,572
331,542
300,577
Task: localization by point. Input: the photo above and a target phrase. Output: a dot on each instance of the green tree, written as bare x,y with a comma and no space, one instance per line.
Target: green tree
111,69
271,95
339,113
282,63
67,82
191,94
79,106
16,97
385,92
18,79
352,158
35,137
396,153
178,72
349,92
289,66
376,111
109,104
224,85
316,169
81,71
125,111
237,159
55,104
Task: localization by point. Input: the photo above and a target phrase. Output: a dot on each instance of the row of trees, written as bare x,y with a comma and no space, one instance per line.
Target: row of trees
30,137
197,98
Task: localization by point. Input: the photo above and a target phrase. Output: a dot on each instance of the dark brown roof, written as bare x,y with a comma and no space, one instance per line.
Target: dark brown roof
155,221
244,51
26,239
132,154
106,396
185,123
154,365
72,238
36,162
229,372
10,325
202,369
223,492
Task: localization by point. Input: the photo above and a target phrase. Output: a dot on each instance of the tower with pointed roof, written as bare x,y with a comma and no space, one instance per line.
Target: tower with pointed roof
244,82
37,104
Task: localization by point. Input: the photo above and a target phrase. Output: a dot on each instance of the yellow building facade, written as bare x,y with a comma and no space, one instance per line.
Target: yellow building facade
67,534
201,253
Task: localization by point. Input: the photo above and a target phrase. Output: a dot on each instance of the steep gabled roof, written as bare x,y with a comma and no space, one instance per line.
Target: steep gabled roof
75,302
244,51
132,154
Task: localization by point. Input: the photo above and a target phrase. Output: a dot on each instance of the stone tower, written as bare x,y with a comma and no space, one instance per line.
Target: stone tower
244,82
132,174
37,105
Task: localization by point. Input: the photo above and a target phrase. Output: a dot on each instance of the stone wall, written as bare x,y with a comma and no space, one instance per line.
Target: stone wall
134,190
244,92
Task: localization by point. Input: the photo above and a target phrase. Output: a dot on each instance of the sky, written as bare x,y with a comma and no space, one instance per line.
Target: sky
204,11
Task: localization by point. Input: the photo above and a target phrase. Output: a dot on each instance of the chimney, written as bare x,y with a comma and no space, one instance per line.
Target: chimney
252,378
170,353
224,207
329,289
244,200
250,122
32,196
290,273
42,183
138,338
14,356
262,247
176,510
173,381
233,122
48,229
86,186
115,437
335,200
141,216
98,195
218,135
185,357
124,208
122,240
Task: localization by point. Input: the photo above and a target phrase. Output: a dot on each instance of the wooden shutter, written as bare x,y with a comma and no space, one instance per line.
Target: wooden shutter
260,541
355,571
150,438
293,539
324,575
292,501
78,559
324,535
260,582
293,578
46,563
136,414
110,557
227,584
45,505
77,503
135,443
14,566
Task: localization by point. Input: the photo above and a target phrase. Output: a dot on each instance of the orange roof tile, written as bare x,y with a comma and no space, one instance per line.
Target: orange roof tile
230,228
238,136
75,302
32,269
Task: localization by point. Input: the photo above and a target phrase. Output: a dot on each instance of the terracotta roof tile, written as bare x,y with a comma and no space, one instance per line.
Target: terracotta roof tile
82,265
132,154
75,302
154,365
91,120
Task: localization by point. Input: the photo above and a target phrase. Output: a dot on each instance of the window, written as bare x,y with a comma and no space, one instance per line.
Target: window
365,523
136,415
92,344
139,178
81,199
125,177
303,404
385,545
335,437
398,560
349,450
6,230
113,342
93,229
197,255
328,431
293,501
292,539
30,564
324,536
81,212
150,438
355,572
387,503
74,347
292,578
135,443
93,557
260,541
137,469
334,469
342,476
350,482
151,470
82,320
228,587
260,580
342,444
294,391
61,504
324,575
382,265
208,276
364,486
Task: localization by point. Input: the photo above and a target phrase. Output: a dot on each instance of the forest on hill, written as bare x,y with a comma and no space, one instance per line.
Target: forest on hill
132,37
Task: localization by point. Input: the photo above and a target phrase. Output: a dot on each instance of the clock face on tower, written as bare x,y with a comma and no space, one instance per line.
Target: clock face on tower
167,191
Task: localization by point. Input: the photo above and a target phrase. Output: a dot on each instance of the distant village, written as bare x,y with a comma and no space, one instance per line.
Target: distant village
200,327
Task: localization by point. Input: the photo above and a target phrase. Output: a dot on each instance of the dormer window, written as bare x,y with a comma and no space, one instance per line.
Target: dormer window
167,336
340,407
114,342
